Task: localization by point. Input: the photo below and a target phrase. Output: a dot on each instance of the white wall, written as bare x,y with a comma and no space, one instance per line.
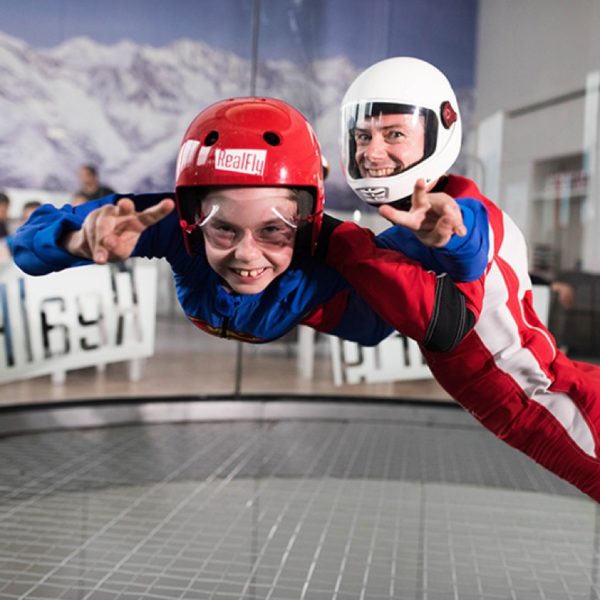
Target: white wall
533,61
532,50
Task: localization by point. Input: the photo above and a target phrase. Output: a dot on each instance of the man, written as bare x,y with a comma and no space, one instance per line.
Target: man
402,128
4,206
28,208
91,188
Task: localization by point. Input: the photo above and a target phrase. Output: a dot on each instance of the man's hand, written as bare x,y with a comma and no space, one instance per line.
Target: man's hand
565,292
110,233
434,217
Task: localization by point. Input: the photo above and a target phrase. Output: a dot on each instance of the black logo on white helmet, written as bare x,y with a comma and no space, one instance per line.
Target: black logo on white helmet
373,194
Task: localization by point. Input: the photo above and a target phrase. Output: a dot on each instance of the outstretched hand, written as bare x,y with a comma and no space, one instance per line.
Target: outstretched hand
434,217
111,232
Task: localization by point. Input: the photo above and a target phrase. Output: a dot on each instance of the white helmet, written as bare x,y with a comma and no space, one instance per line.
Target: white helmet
385,102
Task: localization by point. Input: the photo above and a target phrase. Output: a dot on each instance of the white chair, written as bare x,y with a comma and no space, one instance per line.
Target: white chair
305,363
542,295
397,358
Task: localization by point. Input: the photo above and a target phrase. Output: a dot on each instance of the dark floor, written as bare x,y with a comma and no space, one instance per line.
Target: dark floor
427,506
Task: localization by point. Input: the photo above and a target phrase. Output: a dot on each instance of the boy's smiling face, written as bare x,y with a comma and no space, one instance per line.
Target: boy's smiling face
249,235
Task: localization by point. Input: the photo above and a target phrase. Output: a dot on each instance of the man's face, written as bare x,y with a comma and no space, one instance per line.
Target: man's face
3,211
388,144
249,240
87,179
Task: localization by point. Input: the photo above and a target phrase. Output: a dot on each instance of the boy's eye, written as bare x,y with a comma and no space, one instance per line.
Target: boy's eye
271,233
272,229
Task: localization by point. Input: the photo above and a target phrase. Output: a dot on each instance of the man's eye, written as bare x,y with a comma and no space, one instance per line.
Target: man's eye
395,135
362,138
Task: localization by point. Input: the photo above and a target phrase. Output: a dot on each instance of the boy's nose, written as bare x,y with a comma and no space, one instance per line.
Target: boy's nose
247,248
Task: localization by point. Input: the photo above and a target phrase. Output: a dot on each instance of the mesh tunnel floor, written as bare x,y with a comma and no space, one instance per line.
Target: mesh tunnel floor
430,506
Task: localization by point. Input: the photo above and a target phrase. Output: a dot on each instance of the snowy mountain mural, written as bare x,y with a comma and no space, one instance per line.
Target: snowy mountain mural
125,107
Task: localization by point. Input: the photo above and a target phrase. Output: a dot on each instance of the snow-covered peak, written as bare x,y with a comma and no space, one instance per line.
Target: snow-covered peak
125,106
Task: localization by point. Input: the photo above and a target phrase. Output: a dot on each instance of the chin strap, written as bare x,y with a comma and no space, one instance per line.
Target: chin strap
328,225
403,204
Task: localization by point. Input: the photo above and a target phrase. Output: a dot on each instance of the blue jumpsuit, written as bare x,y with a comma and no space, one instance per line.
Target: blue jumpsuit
308,292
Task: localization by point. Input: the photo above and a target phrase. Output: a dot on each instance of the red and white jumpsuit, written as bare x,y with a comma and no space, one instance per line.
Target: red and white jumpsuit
507,372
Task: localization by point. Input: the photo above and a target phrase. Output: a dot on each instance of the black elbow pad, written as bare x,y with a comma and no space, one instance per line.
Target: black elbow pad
451,319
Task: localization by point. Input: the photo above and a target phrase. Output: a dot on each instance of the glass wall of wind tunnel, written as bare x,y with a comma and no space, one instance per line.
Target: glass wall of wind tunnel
308,54
116,87
535,141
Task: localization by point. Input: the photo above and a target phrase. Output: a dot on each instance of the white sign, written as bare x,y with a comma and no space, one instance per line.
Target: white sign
76,318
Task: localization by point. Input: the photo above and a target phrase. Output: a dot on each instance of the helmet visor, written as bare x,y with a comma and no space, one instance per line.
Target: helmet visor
383,139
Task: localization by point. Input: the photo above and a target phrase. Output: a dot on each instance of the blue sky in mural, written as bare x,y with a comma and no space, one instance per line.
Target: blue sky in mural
300,30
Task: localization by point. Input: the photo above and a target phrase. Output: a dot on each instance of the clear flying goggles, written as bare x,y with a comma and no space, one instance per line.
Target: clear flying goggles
274,230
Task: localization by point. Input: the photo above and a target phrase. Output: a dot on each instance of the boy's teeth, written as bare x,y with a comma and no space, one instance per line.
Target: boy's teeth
249,273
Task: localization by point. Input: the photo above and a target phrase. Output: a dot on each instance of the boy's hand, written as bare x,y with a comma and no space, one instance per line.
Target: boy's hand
434,217
110,233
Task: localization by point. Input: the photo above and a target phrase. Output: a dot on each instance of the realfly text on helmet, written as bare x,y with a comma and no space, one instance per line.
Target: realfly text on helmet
387,106
261,142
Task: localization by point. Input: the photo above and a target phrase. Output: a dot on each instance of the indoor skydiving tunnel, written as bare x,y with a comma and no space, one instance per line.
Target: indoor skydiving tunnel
264,482
339,492
281,498
138,459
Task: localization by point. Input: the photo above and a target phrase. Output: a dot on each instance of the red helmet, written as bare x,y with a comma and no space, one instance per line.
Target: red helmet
250,142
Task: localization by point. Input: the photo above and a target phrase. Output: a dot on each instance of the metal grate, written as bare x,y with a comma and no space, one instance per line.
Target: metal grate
431,507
